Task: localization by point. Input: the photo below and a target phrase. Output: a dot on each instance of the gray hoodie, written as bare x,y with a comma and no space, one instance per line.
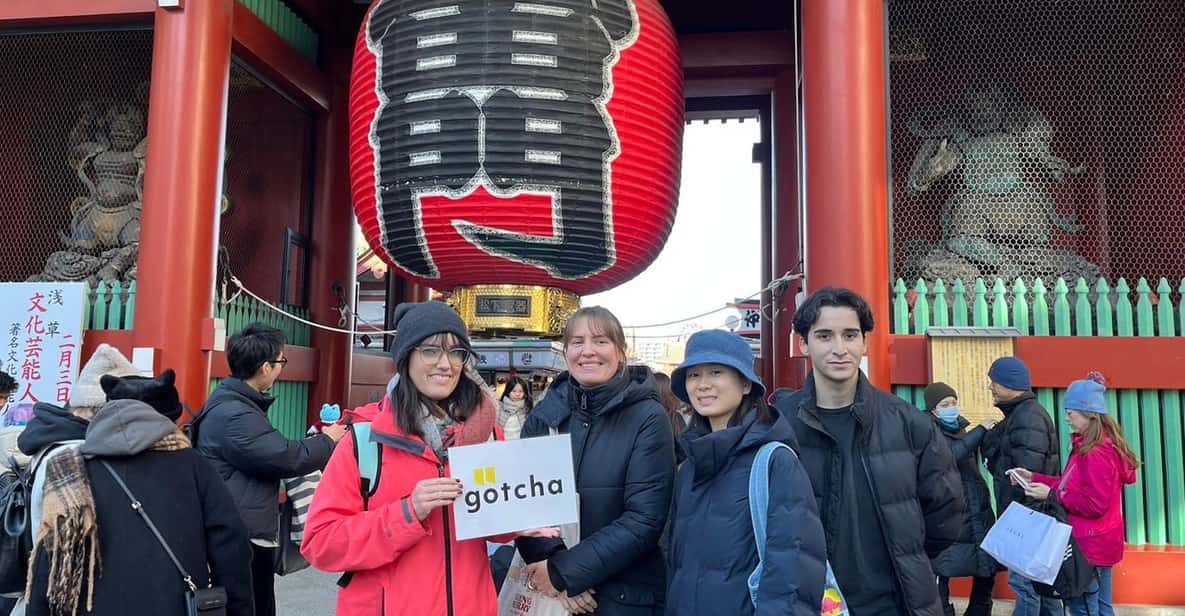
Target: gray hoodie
125,428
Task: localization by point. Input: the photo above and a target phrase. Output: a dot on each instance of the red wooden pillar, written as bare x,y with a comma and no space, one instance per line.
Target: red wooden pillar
847,235
182,189
786,225
333,264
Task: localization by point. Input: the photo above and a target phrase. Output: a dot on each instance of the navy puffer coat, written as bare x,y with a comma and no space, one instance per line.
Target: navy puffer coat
712,547
624,457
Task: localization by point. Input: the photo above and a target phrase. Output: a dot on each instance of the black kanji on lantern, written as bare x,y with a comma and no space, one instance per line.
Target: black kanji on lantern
505,95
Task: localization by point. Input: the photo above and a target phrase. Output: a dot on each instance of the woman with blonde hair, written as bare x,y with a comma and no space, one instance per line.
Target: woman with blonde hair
1091,488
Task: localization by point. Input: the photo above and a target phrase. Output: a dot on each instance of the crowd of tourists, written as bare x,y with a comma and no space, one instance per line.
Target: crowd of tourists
700,492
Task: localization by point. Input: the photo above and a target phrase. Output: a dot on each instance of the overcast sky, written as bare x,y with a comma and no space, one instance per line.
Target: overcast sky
713,255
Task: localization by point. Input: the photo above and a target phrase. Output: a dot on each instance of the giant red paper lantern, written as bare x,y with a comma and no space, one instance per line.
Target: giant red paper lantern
530,143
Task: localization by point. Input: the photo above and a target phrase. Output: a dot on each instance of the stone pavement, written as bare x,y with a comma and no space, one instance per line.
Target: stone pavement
312,593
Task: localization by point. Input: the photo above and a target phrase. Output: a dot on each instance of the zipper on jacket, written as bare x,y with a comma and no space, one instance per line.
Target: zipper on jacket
383,609
448,553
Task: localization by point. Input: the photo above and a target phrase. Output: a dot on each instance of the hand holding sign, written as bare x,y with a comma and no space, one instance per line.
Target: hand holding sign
432,493
512,485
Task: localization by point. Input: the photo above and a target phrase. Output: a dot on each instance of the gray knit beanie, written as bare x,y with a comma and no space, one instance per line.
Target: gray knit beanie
415,322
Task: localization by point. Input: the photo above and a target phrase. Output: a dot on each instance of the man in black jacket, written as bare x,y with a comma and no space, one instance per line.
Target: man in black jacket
252,457
1026,439
884,478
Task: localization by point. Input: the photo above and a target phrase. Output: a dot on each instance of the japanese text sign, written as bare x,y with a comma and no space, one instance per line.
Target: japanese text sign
42,343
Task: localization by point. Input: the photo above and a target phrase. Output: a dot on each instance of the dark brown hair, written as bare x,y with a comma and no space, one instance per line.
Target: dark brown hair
408,400
670,401
753,402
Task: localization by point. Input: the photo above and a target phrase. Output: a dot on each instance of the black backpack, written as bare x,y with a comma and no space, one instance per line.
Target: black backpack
1076,574
16,540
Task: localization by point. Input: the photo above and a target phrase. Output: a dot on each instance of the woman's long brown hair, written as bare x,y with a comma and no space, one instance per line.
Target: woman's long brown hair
1099,426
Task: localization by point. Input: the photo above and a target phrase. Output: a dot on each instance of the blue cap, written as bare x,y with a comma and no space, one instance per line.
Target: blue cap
1086,396
716,346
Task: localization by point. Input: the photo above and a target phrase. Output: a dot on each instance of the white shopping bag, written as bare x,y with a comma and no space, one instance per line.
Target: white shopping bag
516,599
1028,542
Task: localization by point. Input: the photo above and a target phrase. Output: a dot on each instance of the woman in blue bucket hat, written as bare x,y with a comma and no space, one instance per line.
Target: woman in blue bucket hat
713,552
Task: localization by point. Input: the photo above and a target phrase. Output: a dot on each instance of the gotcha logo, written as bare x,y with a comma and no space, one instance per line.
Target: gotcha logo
490,492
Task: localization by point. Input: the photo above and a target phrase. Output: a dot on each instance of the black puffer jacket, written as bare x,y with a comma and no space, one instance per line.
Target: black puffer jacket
712,549
912,474
251,456
1025,439
964,558
186,501
624,458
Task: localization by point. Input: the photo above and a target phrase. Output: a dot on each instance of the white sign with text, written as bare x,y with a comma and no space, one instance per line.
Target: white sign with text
515,485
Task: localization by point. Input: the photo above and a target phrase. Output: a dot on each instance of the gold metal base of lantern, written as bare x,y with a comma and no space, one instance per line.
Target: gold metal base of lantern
539,311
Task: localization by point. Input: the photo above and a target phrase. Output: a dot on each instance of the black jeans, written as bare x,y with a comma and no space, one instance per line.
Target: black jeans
263,579
980,602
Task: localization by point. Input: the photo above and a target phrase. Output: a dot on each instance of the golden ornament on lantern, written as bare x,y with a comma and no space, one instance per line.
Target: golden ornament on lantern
514,308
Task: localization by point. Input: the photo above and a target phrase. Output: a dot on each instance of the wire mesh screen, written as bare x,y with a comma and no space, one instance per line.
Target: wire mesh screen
73,115
267,184
1037,139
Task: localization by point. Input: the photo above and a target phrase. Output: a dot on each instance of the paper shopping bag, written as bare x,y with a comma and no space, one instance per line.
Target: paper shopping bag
516,599
1028,542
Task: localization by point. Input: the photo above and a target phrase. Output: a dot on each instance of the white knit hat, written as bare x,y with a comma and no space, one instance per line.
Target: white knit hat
87,392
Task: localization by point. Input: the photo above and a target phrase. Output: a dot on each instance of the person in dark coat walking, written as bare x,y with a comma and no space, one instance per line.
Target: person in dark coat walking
965,558
883,475
624,460
713,550
1026,438
250,454
104,558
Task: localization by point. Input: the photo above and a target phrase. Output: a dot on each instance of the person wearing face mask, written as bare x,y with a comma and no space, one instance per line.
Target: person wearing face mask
964,558
624,459
711,555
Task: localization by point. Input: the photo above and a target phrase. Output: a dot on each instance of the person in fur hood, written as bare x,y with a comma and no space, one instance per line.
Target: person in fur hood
95,555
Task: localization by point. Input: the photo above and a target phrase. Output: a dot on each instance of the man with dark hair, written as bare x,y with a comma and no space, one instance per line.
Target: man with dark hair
252,457
1027,439
884,477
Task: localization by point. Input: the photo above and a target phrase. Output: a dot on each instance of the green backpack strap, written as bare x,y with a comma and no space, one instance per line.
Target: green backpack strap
367,454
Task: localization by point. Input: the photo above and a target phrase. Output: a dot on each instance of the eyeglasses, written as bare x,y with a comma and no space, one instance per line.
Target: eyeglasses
281,361
431,354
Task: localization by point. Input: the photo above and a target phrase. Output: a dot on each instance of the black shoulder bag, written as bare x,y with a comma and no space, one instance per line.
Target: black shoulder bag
209,601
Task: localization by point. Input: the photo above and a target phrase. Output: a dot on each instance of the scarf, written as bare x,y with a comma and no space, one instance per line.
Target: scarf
70,531
508,408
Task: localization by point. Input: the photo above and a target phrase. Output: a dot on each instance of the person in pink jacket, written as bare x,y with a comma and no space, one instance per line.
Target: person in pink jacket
398,547
1091,488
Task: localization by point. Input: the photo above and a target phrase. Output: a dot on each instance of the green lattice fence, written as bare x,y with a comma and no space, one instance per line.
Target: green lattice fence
1152,419
109,305
242,311
289,413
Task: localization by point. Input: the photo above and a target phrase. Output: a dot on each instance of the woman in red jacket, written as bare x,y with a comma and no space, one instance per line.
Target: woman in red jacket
398,546
1091,488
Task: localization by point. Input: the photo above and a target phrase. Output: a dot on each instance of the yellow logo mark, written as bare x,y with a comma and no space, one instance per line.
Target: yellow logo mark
485,476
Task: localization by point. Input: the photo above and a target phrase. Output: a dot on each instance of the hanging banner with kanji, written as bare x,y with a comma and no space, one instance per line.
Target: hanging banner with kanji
42,343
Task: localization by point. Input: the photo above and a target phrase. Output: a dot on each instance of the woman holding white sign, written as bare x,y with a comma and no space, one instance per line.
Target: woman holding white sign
392,533
714,545
624,459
